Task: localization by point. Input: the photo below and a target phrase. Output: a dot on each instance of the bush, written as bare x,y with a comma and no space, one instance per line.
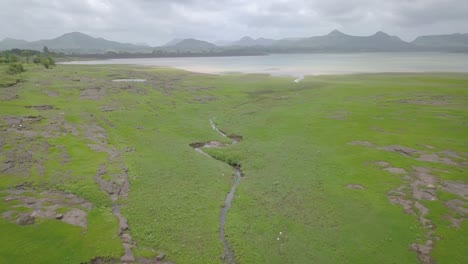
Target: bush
15,68
37,60
45,61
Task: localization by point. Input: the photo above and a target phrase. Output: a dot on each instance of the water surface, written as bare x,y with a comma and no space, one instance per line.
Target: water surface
310,64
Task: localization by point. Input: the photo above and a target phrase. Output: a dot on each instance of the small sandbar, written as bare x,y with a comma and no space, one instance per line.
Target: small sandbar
129,80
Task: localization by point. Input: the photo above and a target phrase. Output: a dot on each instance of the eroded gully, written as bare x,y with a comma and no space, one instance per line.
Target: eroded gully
228,256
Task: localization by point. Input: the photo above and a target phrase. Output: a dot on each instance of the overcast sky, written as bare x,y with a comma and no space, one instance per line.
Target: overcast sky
157,21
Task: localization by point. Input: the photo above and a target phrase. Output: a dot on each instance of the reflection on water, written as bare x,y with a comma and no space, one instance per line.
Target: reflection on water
310,64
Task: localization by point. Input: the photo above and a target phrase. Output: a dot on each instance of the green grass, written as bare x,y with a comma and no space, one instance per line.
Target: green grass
294,154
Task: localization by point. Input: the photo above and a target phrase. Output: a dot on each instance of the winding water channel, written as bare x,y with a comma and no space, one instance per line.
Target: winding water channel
228,256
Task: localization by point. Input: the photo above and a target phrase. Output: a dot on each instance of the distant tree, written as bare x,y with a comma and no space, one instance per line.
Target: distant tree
51,61
45,50
37,60
26,53
12,58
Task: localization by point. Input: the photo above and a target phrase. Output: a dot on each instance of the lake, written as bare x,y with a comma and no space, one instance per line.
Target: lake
309,64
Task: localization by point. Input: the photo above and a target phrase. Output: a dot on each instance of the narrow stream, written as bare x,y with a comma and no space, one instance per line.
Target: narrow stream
228,255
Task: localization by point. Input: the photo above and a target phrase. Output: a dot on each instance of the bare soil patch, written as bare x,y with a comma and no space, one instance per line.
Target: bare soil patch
395,170
53,94
448,157
41,107
45,205
95,93
422,185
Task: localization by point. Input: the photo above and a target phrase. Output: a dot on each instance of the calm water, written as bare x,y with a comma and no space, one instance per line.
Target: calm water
310,64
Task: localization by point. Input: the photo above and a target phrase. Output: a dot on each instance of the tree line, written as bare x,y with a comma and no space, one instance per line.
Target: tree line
15,58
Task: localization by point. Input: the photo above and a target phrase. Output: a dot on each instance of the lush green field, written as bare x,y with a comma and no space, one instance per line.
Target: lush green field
312,191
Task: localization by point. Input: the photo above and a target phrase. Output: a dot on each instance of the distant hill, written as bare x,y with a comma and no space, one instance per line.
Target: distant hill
335,41
248,42
194,44
443,42
338,41
74,42
173,42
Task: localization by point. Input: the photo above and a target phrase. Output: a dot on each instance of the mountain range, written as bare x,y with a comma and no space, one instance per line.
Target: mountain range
335,41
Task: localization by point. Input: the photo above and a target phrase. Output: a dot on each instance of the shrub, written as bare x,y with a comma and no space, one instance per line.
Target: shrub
15,68
51,61
45,61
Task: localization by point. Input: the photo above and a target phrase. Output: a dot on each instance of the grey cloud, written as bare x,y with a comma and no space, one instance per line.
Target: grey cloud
157,21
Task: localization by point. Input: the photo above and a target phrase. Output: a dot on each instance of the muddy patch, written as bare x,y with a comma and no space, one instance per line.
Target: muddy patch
55,205
41,107
448,157
21,122
455,187
93,93
420,187
395,170
38,126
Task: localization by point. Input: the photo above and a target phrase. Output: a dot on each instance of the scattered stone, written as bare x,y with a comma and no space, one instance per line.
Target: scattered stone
355,187
25,219
406,204
126,238
59,216
128,256
76,217
129,149
433,157
400,149
458,188
424,251
458,206
161,256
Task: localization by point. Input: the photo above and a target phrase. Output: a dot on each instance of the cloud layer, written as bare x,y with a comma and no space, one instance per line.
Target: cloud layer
157,21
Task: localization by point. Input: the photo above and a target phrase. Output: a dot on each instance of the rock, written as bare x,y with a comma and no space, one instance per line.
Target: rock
76,217
160,256
127,238
128,257
25,219
59,216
